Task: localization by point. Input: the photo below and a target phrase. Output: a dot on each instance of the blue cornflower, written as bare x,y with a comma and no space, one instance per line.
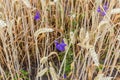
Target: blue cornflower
60,46
37,15
105,7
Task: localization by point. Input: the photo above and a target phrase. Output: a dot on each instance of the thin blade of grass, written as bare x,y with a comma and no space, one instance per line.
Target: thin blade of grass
27,3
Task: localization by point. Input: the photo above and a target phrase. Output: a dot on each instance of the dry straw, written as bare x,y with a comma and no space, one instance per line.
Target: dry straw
45,59
94,56
53,73
2,24
21,49
27,3
42,30
101,77
42,72
115,11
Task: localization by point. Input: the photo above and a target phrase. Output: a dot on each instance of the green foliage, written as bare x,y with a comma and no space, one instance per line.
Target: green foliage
23,75
69,60
99,68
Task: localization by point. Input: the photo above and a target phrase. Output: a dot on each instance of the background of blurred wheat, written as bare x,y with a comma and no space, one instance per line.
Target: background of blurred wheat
27,49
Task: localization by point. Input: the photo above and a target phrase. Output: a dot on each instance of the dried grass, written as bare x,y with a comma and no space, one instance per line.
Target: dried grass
93,40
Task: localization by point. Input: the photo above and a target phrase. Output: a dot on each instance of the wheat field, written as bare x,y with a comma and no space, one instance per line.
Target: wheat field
59,39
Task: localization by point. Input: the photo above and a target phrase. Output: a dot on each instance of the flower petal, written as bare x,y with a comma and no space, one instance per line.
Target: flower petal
98,9
56,42
60,46
37,15
103,13
105,6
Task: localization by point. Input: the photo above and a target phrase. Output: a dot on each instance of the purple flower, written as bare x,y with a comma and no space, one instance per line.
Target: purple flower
103,12
60,46
105,6
98,9
65,76
37,15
